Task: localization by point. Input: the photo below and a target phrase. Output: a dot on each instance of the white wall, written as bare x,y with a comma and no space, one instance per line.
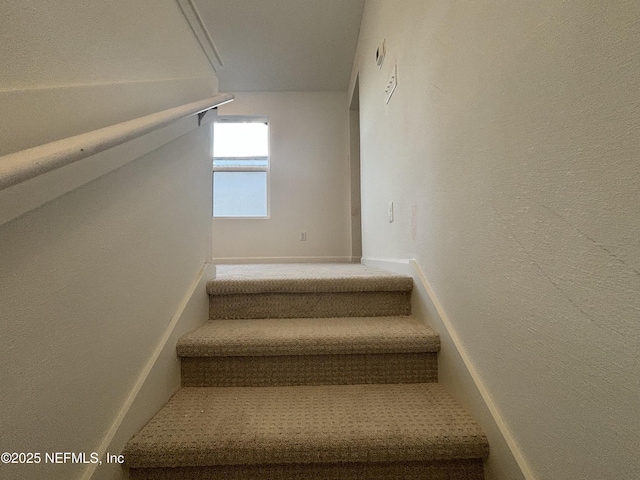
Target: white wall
118,60
309,181
510,149
90,279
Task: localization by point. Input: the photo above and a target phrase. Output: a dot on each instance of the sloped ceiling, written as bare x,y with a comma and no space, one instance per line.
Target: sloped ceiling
283,45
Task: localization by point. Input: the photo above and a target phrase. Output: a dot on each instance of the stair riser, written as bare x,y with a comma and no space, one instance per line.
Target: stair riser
437,470
318,398
271,371
310,305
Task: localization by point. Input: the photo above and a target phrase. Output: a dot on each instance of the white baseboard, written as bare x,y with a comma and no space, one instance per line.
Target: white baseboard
460,376
157,381
393,265
242,260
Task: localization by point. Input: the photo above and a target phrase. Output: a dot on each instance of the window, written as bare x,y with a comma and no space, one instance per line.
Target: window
240,167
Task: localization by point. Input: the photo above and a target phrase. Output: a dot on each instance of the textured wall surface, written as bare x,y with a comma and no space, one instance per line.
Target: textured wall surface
74,66
308,180
88,284
284,45
90,279
510,149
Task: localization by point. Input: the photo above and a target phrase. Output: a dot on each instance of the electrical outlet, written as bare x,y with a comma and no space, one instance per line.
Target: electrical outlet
303,236
390,212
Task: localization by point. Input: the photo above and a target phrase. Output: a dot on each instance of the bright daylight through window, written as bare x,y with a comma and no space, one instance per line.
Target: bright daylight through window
240,167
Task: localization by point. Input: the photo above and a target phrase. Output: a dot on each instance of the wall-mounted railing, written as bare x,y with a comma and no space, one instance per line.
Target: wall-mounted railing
21,166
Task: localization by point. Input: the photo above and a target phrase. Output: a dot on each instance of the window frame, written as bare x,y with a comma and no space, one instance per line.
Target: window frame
242,168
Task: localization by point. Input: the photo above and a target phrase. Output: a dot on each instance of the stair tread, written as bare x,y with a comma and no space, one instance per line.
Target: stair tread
309,336
304,278
203,426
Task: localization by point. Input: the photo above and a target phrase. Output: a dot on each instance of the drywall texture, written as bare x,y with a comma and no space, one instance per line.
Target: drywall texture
510,150
354,167
91,272
74,66
89,282
161,381
308,180
283,45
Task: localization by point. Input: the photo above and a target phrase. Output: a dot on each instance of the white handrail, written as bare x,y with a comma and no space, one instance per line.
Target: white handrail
21,166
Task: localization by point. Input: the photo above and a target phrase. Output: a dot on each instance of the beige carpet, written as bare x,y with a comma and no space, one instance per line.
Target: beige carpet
302,277
471,469
309,372
307,290
309,351
309,336
327,424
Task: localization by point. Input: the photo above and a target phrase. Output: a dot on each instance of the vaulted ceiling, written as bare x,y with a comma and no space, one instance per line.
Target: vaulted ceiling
283,45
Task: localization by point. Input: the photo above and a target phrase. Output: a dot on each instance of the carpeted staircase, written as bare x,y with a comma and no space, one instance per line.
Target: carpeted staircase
309,372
